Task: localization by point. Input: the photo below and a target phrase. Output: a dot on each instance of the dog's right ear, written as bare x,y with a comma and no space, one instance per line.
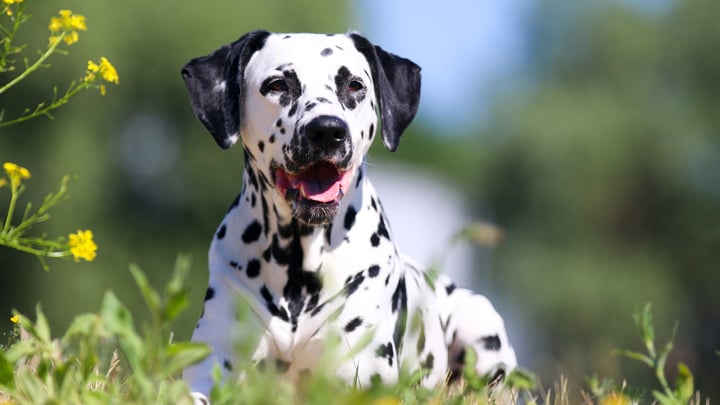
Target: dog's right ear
216,86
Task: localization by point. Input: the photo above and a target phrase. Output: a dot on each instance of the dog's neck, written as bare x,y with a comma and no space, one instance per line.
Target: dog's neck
313,257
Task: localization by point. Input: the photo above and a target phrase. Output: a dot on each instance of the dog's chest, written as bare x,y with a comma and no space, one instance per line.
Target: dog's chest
295,278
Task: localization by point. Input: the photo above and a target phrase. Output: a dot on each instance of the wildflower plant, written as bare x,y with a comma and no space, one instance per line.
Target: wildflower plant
65,31
78,245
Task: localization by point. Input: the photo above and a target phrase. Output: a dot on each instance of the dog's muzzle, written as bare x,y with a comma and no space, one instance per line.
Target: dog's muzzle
315,188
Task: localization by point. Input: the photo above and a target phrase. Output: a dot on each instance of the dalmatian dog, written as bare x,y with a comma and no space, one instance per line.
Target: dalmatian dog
306,245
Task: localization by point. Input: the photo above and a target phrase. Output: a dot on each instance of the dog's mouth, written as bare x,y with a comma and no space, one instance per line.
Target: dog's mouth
321,182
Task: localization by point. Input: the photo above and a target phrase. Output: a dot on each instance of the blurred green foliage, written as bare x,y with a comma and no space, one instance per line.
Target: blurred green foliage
603,169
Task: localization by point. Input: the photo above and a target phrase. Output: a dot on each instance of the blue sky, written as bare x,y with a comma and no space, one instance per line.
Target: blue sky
468,49
465,47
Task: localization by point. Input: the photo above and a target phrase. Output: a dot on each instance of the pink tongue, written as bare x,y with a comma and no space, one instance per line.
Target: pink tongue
321,183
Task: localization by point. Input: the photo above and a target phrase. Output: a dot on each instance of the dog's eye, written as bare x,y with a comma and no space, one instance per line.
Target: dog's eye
278,85
355,85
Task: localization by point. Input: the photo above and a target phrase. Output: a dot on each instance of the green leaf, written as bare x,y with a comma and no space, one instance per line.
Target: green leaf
184,354
521,379
635,356
684,386
644,321
40,329
152,298
82,325
118,321
665,399
7,376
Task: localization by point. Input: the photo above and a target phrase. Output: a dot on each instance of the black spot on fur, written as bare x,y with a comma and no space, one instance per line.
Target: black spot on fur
306,230
373,270
265,211
235,202
326,52
460,357
353,324
221,232
359,178
354,284
271,139
234,264
350,217
300,283
209,294
253,268
270,304
281,365
386,351
382,229
373,204
328,234
491,342
429,362
317,309
312,302
251,175
309,106
399,305
323,100
281,255
253,200
261,146
293,109
371,131
267,254
278,123
374,240
252,232
399,297
349,99
450,288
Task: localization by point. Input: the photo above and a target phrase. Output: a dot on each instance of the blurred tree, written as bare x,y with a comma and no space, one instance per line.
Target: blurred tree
606,173
151,181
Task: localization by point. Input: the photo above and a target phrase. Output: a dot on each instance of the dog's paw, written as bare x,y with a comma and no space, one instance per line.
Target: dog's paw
199,399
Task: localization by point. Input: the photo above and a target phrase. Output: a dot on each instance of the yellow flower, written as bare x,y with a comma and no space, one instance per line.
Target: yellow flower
387,400
105,69
67,23
15,318
16,173
615,398
12,1
82,245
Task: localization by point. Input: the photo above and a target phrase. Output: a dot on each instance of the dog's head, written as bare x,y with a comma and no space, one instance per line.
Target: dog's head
305,107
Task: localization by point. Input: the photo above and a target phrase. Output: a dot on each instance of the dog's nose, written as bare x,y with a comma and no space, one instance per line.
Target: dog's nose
326,131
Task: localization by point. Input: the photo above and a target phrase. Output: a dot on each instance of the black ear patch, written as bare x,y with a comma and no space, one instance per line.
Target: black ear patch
216,86
397,88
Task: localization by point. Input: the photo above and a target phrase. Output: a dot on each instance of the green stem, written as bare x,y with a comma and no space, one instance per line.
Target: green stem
11,35
33,251
11,208
34,66
46,110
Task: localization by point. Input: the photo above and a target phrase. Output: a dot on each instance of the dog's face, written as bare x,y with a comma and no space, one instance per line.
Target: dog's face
305,107
309,118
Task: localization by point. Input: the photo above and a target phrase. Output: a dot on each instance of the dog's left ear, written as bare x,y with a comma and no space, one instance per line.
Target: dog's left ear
397,88
216,86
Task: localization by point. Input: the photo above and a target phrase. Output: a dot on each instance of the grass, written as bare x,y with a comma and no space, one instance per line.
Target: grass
103,358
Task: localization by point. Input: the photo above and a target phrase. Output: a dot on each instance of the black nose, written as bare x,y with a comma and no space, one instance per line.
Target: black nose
326,131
